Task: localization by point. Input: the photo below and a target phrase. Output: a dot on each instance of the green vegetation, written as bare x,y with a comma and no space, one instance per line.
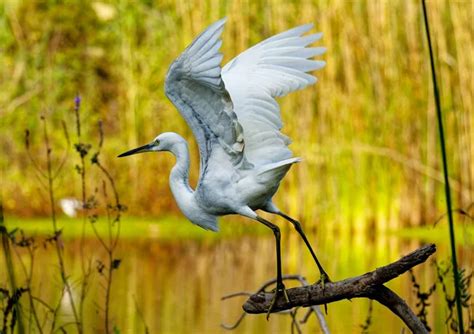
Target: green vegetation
168,228
178,228
366,131
437,235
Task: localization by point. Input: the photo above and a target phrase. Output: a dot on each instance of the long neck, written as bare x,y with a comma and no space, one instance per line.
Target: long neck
179,176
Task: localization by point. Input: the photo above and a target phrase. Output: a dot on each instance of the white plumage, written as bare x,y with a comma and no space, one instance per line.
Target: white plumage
236,121
235,118
272,68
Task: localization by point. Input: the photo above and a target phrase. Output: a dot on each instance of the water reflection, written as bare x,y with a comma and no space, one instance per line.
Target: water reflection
176,286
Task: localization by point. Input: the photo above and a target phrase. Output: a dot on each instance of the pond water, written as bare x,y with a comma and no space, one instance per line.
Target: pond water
175,286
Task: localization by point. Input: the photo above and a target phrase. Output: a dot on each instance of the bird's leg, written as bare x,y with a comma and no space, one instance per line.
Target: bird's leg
324,276
280,290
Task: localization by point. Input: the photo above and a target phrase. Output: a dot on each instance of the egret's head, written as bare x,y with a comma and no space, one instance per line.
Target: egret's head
162,142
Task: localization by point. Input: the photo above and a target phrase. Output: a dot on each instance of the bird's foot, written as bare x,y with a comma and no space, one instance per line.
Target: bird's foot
279,291
323,279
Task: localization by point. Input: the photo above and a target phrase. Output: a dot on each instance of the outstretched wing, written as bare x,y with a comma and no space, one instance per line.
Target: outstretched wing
195,87
272,68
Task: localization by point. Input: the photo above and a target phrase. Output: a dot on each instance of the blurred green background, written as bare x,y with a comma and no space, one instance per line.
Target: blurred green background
367,130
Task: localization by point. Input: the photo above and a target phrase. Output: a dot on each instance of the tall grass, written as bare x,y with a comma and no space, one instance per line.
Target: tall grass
366,131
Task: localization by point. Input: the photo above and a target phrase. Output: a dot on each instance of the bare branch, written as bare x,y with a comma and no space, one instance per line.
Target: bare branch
265,285
397,305
235,324
368,285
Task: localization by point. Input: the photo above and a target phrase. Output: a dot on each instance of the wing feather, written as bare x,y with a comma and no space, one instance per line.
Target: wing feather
195,87
270,69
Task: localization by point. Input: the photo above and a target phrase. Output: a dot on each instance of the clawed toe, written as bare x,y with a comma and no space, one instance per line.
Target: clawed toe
323,279
279,291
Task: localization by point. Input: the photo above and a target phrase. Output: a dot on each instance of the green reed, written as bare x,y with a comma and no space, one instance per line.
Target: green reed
446,176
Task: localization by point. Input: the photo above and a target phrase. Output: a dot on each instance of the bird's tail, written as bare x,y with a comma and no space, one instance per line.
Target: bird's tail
275,171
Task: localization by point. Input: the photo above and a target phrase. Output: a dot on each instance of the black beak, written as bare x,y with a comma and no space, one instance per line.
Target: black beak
140,149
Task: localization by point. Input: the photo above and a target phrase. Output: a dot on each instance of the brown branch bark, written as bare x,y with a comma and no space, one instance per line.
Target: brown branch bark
368,285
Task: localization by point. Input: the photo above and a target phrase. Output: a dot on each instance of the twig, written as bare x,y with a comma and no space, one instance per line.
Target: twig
303,282
235,324
58,246
114,212
66,152
294,322
368,285
82,149
42,302
29,245
10,267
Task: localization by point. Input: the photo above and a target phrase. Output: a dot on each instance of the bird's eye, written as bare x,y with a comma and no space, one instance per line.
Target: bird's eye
157,142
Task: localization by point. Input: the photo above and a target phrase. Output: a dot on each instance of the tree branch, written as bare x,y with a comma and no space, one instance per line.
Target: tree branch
368,285
397,305
314,308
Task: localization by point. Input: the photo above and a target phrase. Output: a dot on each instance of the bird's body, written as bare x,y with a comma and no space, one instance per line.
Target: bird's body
236,122
230,190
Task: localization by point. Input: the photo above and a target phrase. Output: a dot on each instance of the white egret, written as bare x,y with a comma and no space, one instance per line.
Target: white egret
236,121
